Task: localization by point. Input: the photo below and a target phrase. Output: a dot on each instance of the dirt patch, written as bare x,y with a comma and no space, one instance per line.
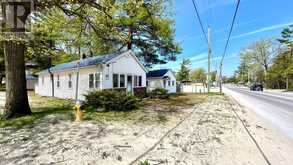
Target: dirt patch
210,134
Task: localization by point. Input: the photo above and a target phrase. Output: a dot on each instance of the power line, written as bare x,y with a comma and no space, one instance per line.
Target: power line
230,32
226,46
200,22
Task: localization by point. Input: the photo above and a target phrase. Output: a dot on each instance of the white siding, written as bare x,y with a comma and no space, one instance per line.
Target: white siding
124,64
64,91
171,88
154,83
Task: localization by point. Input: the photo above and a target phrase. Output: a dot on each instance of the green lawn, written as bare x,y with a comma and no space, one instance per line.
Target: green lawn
41,107
150,110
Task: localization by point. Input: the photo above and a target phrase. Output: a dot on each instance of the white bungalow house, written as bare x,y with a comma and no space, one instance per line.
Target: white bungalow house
163,78
121,71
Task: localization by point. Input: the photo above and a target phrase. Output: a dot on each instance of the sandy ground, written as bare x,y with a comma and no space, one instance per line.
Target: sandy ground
210,134
277,147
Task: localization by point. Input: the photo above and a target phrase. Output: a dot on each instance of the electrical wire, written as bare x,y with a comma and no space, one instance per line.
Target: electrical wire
230,32
199,20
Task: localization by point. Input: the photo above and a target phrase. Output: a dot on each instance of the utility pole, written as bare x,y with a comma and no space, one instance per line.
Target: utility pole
209,59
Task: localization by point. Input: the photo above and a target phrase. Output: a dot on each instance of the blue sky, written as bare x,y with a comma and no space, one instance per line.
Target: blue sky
256,19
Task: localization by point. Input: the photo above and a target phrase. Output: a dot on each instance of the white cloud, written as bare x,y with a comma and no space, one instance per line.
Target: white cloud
278,26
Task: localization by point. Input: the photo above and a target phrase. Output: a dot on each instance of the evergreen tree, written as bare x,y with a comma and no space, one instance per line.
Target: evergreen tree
184,72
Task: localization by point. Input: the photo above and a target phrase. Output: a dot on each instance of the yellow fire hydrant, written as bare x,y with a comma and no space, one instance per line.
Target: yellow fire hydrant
78,112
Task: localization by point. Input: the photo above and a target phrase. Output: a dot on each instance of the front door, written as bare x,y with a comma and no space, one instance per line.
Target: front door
129,83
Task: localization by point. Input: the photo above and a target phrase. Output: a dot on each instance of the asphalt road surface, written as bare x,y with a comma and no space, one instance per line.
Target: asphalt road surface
277,108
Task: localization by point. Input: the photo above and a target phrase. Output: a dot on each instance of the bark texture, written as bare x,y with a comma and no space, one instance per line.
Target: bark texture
16,94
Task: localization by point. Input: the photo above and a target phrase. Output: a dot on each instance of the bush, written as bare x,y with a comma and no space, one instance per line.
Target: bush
159,93
110,100
2,87
140,92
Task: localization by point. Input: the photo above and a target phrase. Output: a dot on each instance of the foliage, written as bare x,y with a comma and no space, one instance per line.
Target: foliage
255,61
108,26
287,37
2,87
198,75
281,71
140,92
110,100
268,61
159,93
213,76
184,72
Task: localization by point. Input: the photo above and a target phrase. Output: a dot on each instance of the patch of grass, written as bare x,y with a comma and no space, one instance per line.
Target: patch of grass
215,94
41,107
150,110
144,163
2,87
176,100
162,118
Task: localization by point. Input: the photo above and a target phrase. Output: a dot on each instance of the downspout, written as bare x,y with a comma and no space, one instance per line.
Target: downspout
52,82
77,83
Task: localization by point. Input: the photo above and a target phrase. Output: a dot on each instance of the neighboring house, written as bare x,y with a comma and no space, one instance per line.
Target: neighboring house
163,78
121,71
190,87
31,81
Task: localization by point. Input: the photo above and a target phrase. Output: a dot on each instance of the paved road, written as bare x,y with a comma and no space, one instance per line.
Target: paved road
276,108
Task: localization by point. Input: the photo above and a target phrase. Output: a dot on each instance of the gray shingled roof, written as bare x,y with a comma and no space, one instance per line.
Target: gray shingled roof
157,73
83,63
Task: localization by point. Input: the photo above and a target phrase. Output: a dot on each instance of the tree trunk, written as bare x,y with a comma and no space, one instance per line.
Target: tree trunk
16,93
1,79
130,38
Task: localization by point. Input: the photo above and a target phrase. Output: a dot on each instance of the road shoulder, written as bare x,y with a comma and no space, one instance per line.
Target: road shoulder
211,135
277,148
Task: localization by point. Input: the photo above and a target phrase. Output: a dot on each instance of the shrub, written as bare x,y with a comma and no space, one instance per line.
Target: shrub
94,99
159,93
111,100
2,87
140,92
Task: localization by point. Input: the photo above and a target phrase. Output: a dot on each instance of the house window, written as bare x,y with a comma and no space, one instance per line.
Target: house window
139,81
135,81
91,80
69,81
173,83
147,83
58,81
122,80
97,80
115,80
169,83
